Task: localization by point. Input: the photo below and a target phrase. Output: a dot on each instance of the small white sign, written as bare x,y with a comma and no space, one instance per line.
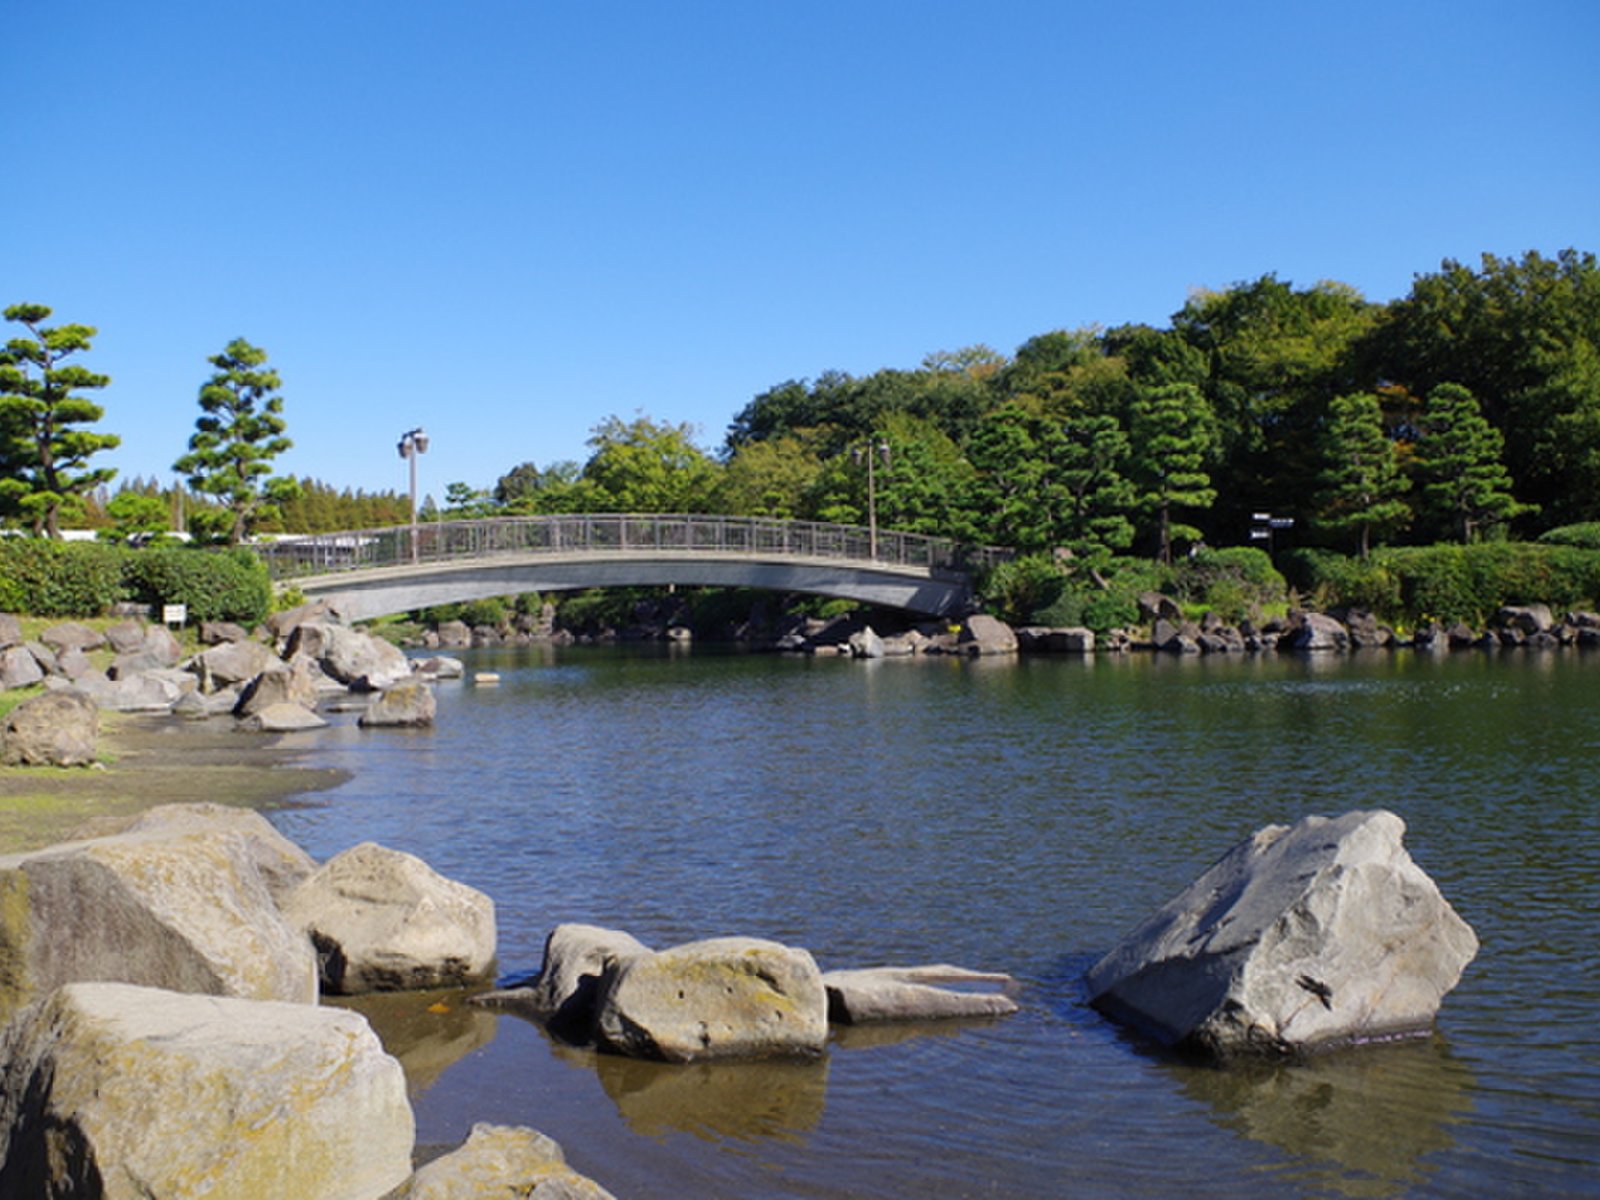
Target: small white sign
174,614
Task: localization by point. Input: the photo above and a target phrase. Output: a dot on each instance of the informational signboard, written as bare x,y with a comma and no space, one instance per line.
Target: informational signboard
174,614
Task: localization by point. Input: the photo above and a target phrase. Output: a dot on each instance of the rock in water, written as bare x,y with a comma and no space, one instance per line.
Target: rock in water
577,958
383,920
115,1092
1299,937
721,998
408,705
913,994
498,1162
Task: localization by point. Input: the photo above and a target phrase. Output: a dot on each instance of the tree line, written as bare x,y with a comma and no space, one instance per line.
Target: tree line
1467,410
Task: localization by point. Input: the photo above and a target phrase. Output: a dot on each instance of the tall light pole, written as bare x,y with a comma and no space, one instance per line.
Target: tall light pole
412,443
873,451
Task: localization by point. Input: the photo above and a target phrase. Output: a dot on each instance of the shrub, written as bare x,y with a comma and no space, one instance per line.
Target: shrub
1017,590
1231,581
60,579
1585,536
215,585
489,611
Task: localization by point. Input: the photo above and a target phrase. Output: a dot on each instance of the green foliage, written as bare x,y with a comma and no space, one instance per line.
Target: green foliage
237,435
1172,436
43,454
1235,582
1465,484
1454,583
491,610
216,585
1585,536
60,579
643,466
1362,484
1023,586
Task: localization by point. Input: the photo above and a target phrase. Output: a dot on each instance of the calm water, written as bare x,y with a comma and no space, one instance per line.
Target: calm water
1015,816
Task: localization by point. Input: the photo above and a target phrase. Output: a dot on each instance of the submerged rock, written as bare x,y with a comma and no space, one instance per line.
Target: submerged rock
115,1092
912,994
721,998
1299,937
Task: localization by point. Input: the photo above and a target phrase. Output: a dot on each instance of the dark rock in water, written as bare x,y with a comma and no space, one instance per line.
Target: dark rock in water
1299,937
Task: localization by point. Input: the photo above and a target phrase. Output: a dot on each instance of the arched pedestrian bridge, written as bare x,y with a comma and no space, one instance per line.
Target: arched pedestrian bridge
373,572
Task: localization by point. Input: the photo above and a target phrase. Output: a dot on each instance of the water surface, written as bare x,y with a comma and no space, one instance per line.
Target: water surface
1013,816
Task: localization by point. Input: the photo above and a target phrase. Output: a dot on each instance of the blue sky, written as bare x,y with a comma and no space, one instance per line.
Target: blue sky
506,221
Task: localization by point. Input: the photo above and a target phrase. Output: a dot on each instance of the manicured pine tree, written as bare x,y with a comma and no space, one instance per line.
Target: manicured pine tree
238,434
1362,483
1170,441
43,454
1464,481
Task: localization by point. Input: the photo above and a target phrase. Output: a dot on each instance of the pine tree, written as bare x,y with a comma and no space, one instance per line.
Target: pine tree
1464,481
1362,484
1171,441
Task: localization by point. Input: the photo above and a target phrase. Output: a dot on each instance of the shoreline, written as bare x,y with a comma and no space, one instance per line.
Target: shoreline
147,761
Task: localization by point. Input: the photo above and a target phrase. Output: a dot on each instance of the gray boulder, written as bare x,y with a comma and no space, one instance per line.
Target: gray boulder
182,906
146,691
455,635
1300,937
215,633
72,633
283,717
501,1162
721,998
1314,632
125,636
10,631
1527,619
441,666
407,704
292,683
865,643
982,634
56,729
281,625
912,994
19,668
566,995
129,1093
73,664
355,659
383,920
231,663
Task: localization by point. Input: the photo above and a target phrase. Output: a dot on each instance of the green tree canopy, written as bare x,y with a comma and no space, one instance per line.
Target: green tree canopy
1362,483
1465,485
237,435
44,454
645,466
1171,437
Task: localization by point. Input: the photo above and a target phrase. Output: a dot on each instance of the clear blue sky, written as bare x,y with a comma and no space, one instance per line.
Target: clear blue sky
505,220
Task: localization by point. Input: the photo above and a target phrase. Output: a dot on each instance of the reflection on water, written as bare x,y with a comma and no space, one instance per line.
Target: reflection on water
427,1031
742,1101
1362,1121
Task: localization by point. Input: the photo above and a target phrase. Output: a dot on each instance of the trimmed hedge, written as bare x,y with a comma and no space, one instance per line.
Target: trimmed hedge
1585,536
83,579
1453,583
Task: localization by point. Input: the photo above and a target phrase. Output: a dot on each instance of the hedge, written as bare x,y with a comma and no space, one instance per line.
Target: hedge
84,579
1453,583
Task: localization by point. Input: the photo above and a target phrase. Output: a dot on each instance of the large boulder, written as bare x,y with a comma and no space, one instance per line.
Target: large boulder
500,1162
1300,937
291,683
231,663
409,704
19,668
912,994
721,998
1314,632
383,920
566,995
181,903
56,729
982,634
355,659
10,631
113,1092
1528,619
72,633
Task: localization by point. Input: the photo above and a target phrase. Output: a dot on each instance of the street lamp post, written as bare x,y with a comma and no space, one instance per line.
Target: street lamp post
412,443
871,453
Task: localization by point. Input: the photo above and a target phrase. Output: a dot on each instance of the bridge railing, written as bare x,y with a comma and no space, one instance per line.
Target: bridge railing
487,538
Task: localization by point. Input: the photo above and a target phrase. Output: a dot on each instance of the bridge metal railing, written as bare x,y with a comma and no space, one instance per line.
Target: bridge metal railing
690,534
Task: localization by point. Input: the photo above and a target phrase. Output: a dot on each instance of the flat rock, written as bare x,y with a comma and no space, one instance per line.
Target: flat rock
231,663
282,717
502,1162
72,633
19,668
383,920
720,998
114,1092
912,994
1299,937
